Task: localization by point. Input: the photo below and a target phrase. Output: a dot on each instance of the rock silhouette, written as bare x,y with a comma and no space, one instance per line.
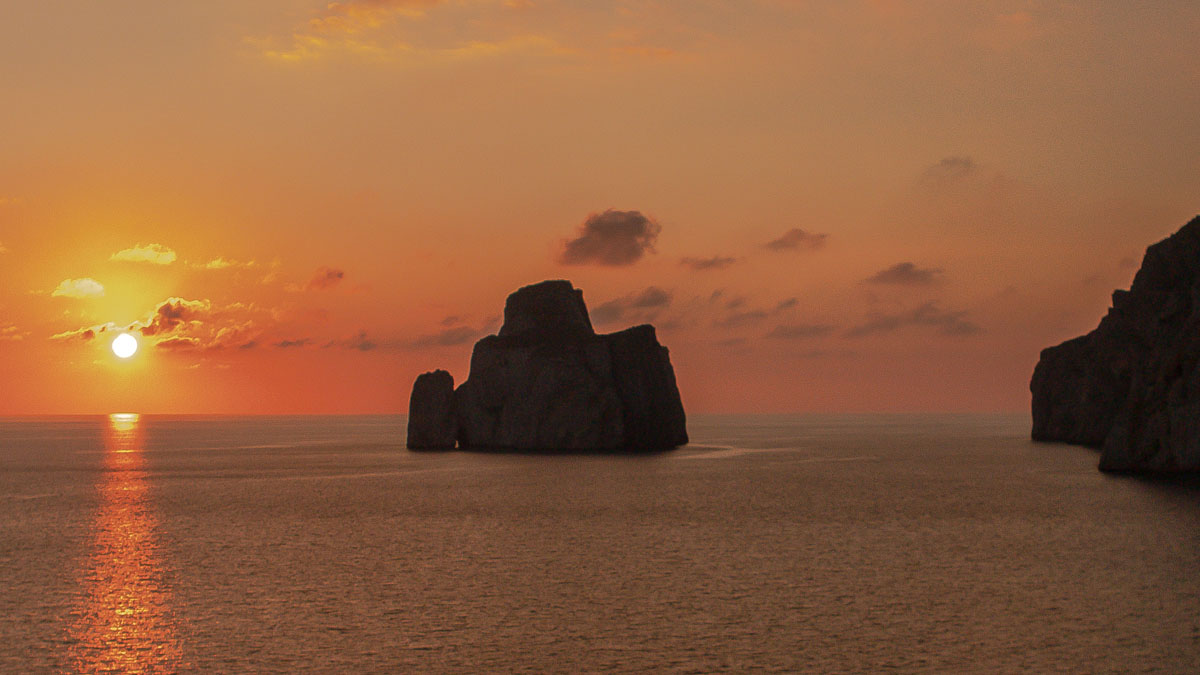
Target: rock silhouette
431,423
548,382
1132,387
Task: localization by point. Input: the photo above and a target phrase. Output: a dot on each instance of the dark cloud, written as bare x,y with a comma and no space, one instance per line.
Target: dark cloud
451,320
613,238
800,331
292,344
786,304
642,306
796,239
950,169
906,274
325,278
734,303
458,335
716,262
927,315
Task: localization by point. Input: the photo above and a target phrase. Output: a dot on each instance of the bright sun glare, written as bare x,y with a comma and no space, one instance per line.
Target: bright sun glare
124,345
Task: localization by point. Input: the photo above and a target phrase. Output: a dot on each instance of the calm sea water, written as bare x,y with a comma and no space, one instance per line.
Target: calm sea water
816,543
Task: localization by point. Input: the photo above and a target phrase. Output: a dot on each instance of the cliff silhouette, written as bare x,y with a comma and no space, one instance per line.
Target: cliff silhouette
1131,387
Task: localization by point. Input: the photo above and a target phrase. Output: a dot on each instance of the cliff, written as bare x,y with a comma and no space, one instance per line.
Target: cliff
1132,387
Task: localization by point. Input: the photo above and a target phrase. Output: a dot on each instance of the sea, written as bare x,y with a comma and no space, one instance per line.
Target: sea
814,543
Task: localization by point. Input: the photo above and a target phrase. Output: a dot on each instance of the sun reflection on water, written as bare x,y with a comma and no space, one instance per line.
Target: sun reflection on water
124,621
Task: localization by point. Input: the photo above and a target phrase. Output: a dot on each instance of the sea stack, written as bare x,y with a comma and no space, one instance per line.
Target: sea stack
547,382
1132,387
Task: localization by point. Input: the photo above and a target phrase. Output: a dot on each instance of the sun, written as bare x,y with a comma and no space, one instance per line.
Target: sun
124,345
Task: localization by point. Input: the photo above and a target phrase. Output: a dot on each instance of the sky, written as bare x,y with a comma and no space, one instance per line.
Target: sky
298,206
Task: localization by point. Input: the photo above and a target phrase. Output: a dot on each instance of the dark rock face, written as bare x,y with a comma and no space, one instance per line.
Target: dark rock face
431,422
548,382
1132,386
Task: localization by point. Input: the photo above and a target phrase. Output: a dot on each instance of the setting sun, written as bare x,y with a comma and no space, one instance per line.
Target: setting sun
124,345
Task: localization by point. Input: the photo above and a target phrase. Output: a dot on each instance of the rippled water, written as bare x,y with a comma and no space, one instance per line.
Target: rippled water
846,543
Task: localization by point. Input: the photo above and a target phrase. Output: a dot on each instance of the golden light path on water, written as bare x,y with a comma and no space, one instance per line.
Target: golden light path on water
124,621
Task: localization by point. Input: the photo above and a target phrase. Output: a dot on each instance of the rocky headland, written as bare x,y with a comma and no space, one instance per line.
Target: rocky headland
1132,387
547,382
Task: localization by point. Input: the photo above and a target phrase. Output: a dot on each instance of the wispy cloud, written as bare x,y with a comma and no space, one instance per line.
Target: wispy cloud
944,322
356,16
325,278
154,254
78,288
356,342
2,248
426,32
797,239
448,337
906,274
716,262
221,263
10,333
642,306
949,170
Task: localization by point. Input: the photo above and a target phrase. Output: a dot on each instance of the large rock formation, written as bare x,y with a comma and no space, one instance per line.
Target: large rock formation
1132,386
548,382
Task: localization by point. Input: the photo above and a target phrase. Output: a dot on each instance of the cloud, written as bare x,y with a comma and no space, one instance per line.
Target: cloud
243,335
458,335
325,278
292,344
642,306
155,254
178,343
173,313
220,263
786,304
10,333
906,274
949,169
78,288
716,262
929,315
358,342
800,331
355,16
2,248
85,334
797,239
178,325
612,238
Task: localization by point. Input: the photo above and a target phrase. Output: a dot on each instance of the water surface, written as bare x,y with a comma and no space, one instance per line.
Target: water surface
845,543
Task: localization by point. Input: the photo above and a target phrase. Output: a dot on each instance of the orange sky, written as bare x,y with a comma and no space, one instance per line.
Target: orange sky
339,197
